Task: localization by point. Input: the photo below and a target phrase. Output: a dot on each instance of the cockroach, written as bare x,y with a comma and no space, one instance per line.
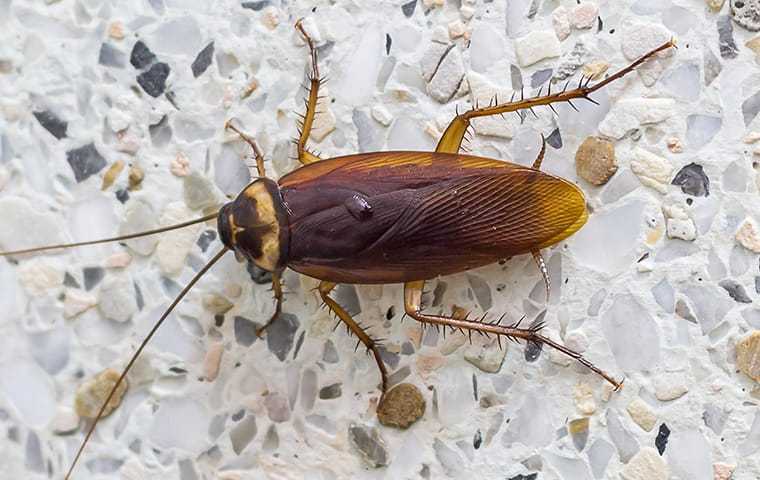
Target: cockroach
395,217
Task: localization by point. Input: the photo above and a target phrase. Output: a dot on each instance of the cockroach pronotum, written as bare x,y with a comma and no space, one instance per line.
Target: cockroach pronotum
395,217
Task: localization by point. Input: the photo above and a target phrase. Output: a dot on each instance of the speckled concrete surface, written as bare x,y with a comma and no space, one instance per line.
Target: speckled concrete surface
113,118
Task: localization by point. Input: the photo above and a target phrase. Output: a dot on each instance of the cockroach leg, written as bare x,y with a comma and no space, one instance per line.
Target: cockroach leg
451,140
544,271
412,306
277,291
324,292
256,151
540,158
307,120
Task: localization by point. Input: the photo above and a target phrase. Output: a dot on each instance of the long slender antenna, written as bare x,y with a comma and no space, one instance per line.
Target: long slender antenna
137,354
112,239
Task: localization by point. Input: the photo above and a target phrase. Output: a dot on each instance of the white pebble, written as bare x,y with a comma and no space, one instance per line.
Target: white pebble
653,170
536,46
117,298
670,387
584,15
382,115
174,246
645,465
561,22
628,114
39,276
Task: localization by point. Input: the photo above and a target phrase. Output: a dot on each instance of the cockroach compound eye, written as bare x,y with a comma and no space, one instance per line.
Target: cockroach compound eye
396,217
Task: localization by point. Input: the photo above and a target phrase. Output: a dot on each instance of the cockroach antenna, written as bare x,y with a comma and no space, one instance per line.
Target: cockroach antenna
120,238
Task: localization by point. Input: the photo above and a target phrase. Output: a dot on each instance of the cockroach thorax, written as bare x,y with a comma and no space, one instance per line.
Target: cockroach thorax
255,225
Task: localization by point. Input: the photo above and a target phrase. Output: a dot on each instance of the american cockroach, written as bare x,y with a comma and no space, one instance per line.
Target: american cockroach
395,217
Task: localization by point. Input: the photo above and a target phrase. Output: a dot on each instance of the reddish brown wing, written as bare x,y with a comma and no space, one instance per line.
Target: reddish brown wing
431,214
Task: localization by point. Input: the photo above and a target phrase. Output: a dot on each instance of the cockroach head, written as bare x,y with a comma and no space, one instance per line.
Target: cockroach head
255,225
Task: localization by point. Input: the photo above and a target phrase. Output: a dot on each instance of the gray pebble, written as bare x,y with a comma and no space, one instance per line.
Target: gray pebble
203,60
255,6
692,180
408,8
85,161
369,444
141,55
111,56
153,81
52,123
281,334
245,331
726,44
735,290
750,108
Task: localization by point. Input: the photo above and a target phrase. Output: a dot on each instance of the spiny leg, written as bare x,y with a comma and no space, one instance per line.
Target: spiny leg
540,157
324,291
412,306
307,121
256,151
544,271
277,289
451,140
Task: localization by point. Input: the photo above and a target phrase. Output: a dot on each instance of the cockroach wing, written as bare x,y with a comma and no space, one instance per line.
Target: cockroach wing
427,214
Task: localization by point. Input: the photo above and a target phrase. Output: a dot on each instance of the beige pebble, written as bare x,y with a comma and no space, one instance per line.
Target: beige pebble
748,355
427,364
595,160
715,5
456,29
116,31
652,170
118,260
180,166
270,17
723,471
233,290
252,86
583,15
595,70
751,137
92,394
112,174
217,304
136,177
748,237
561,22
401,406
675,145
642,414
645,465
212,360
584,399
754,44
76,301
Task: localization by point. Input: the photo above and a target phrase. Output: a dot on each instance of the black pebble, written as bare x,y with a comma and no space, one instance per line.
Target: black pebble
555,139
205,239
255,6
408,8
203,60
52,123
530,476
92,276
122,195
388,43
477,440
331,391
111,56
662,438
85,161
141,56
693,181
757,284
259,276
153,81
